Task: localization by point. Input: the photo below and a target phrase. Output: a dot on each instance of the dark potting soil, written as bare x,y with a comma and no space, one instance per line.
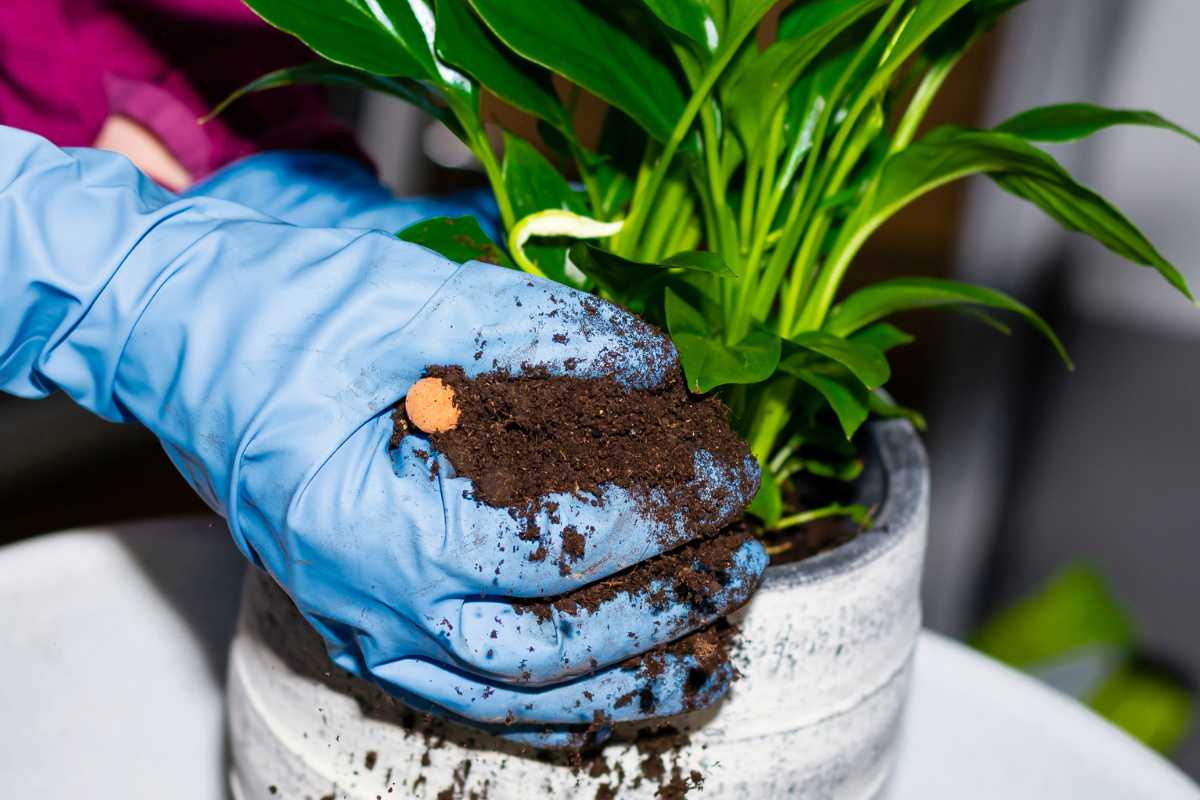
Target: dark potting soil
521,438
802,541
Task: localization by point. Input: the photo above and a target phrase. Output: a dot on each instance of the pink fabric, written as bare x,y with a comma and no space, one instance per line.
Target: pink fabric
66,65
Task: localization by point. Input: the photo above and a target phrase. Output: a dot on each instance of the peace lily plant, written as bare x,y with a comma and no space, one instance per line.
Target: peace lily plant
744,160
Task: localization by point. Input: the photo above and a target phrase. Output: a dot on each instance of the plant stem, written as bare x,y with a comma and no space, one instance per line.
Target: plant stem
804,200
699,97
926,91
483,151
663,219
771,416
749,188
858,513
856,231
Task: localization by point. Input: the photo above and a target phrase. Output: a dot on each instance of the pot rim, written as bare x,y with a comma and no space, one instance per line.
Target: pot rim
904,472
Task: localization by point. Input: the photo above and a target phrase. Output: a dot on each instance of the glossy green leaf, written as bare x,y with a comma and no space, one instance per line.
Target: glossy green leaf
879,300
883,336
593,260
533,185
886,408
380,36
324,73
950,153
926,18
977,17
463,42
1149,705
758,88
692,18
864,361
848,470
1079,209
1070,121
459,239
1074,610
706,360
574,42
844,393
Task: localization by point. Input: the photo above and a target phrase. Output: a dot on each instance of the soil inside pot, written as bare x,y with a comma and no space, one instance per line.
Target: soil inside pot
804,541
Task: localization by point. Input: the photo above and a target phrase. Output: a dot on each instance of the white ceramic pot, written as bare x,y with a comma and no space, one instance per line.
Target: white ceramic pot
826,651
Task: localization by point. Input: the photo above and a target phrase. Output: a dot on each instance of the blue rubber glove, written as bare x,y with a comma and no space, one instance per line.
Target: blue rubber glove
266,356
323,190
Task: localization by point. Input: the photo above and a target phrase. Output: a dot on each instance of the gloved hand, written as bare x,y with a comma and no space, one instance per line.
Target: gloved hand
330,191
266,356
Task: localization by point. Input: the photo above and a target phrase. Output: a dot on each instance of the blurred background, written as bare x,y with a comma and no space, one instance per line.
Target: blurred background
1065,498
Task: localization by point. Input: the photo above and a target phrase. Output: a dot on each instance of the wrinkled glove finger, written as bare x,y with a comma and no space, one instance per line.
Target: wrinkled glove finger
569,541
488,318
662,685
604,624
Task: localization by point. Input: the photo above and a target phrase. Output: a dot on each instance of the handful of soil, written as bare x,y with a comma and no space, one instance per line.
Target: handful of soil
521,438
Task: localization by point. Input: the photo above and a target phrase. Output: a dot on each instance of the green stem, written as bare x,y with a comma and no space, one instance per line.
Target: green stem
595,199
928,89
749,189
804,200
771,416
699,97
685,232
663,220
481,146
858,513
857,231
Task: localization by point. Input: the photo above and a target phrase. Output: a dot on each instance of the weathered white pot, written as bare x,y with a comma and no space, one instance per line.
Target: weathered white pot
825,659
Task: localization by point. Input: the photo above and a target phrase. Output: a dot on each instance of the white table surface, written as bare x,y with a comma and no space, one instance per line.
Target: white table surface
112,654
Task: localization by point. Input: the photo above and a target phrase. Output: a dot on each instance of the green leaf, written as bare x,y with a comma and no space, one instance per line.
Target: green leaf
1151,706
707,361
1070,121
879,300
926,18
844,393
1082,210
865,362
883,336
1073,611
613,270
459,239
887,409
380,36
533,185
964,27
462,41
692,18
950,153
761,82
572,41
847,470
324,73
767,504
